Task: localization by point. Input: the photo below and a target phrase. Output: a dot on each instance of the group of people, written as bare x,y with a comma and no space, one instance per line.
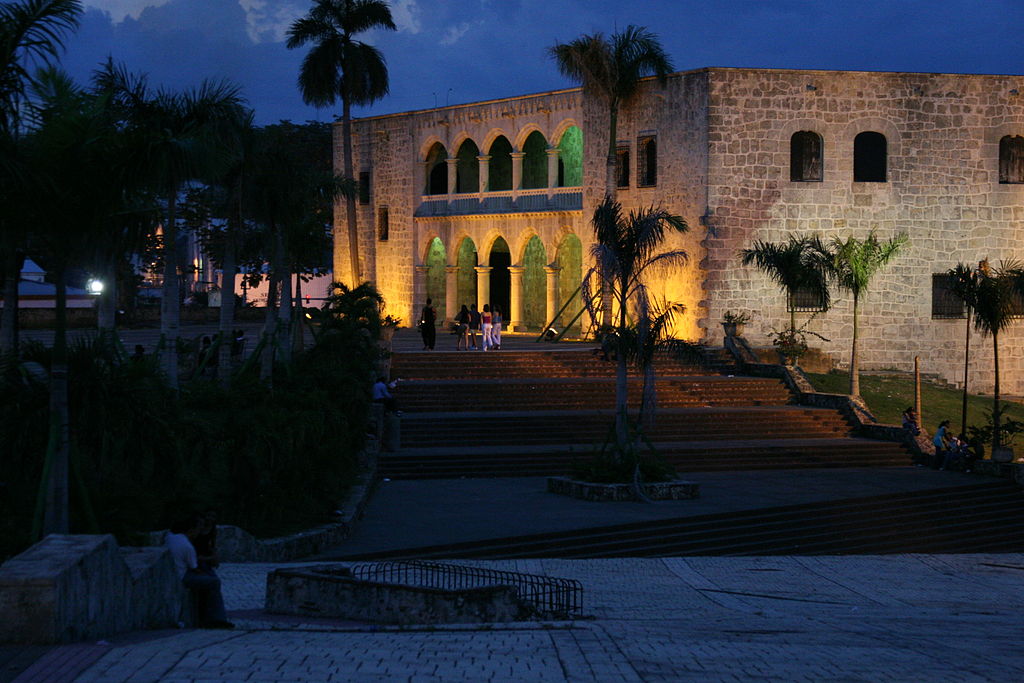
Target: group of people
952,451
192,542
469,323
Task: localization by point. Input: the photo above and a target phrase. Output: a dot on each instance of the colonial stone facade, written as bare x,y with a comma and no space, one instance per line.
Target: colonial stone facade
490,202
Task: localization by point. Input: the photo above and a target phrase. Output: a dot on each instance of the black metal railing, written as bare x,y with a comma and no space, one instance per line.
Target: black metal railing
552,597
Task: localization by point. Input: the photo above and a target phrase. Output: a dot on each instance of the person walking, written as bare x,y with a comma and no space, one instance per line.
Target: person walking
474,324
428,326
940,442
485,324
496,323
462,329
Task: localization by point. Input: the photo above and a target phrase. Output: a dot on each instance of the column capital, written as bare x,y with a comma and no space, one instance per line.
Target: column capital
452,161
517,155
517,270
451,269
552,269
421,267
482,270
484,157
553,151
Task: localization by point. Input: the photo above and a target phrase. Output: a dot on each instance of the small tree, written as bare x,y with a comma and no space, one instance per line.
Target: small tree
797,265
852,264
965,287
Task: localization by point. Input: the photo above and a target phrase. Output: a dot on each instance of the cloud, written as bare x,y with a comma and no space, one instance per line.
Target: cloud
406,14
119,9
267,21
453,34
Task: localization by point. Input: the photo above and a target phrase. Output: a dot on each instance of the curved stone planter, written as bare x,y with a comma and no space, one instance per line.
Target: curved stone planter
586,490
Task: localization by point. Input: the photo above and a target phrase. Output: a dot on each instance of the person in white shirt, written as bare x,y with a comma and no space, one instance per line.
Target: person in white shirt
206,585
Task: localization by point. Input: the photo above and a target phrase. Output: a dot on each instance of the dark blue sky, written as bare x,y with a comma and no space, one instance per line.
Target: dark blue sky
466,50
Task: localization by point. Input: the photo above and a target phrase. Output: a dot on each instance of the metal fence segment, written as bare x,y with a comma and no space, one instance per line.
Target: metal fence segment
548,594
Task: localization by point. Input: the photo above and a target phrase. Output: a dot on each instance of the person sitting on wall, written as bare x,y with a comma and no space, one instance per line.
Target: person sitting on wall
206,586
382,394
910,421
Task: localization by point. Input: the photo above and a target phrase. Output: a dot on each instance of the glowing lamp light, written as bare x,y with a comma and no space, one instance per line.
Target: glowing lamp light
95,287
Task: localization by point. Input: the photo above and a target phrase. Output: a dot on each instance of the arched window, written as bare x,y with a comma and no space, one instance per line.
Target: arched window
535,163
1011,159
437,169
467,178
647,161
500,167
869,158
805,157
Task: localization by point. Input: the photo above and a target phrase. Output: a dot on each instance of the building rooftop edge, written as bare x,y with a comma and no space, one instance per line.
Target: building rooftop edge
677,74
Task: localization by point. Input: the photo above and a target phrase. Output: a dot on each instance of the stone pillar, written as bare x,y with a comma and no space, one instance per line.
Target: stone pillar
516,322
451,292
453,174
483,286
485,172
517,170
554,302
553,153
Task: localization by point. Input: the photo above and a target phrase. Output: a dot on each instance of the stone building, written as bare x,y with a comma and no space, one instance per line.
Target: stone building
490,202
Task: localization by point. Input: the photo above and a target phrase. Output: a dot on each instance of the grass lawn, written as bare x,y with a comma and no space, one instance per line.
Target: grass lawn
888,395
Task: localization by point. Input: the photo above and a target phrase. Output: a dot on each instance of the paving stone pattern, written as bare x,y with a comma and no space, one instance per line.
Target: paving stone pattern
892,618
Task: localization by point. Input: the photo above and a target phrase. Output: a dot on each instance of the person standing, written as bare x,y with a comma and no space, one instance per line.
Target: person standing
496,323
485,323
939,441
462,331
428,326
474,324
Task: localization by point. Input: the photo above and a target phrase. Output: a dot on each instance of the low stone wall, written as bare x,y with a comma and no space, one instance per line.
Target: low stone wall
586,490
70,588
331,591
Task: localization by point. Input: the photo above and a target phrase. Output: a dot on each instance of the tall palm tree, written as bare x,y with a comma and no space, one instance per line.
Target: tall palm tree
796,265
965,287
625,252
852,264
32,33
997,302
610,69
341,67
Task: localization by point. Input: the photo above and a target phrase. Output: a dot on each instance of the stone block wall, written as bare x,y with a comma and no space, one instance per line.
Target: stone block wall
71,588
943,190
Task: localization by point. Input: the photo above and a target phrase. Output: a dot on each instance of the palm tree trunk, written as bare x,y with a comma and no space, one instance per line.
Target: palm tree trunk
854,360
13,262
284,317
996,436
967,356
350,202
269,325
227,308
56,518
621,383
170,307
298,338
610,190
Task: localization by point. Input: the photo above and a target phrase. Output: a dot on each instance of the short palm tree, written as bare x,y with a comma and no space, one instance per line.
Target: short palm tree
32,33
997,302
965,287
625,253
341,67
796,265
610,69
852,264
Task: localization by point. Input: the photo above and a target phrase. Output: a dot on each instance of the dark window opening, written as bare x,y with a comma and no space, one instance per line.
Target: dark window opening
647,161
364,187
946,304
869,158
561,173
382,224
807,300
1011,159
805,157
622,167
439,179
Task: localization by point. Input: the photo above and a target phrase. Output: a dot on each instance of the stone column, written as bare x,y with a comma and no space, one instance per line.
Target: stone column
517,170
483,286
516,322
554,302
453,174
485,172
451,292
553,153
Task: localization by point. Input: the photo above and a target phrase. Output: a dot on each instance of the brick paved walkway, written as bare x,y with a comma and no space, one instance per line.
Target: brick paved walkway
892,618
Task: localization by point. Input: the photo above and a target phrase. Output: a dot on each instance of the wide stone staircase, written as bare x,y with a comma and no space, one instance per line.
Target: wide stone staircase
475,414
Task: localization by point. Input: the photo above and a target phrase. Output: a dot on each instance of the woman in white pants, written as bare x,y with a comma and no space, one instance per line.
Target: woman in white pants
486,325
496,322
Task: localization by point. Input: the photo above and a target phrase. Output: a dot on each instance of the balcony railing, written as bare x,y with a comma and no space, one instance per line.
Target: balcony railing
505,201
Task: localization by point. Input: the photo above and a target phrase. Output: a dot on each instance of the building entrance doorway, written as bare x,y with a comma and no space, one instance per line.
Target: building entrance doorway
501,279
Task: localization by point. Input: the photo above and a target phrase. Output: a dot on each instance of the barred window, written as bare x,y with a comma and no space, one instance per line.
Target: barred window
946,304
1011,159
382,224
647,161
364,187
622,167
805,157
808,300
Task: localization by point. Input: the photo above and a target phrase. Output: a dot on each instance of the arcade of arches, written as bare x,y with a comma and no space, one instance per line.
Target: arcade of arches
529,288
